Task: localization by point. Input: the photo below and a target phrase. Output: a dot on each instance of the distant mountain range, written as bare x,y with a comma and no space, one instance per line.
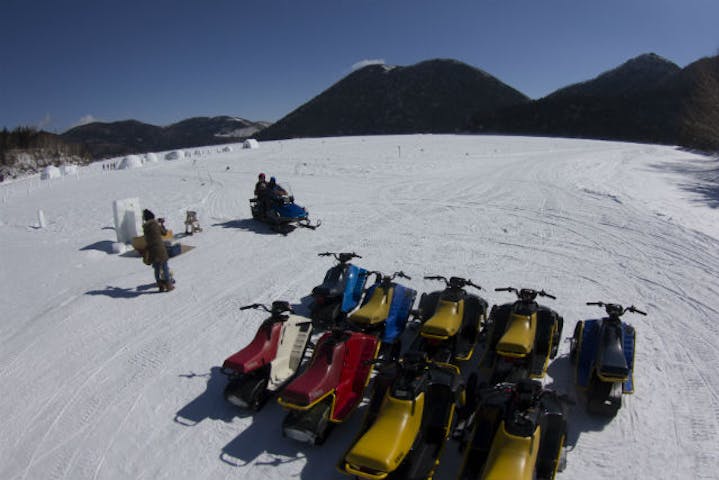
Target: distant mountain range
645,99
119,138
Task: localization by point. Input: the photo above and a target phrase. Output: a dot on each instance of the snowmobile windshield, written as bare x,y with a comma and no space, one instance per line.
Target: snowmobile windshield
525,308
334,280
522,423
409,384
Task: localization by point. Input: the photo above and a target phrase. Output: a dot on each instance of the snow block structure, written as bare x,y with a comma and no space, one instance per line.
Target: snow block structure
69,170
50,172
175,155
251,143
130,161
128,219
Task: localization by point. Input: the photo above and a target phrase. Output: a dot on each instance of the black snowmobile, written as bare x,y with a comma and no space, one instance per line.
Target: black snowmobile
522,337
603,352
340,292
409,418
451,320
518,432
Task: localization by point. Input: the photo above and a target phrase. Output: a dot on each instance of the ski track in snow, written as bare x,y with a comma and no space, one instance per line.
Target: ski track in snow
106,379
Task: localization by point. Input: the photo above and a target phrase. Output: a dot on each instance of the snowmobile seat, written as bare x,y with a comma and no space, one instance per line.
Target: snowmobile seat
261,350
611,362
512,456
376,310
321,376
387,442
445,322
518,339
361,348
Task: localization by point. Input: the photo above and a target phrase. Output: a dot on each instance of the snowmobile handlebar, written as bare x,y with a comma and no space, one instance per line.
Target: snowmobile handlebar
616,309
381,277
340,256
457,282
526,294
256,306
277,307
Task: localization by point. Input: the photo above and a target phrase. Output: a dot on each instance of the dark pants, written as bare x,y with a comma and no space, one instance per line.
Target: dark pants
162,272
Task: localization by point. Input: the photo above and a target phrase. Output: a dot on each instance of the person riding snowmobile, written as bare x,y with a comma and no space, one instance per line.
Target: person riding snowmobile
261,185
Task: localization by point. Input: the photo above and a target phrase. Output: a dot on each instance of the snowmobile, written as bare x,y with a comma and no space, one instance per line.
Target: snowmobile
603,352
281,212
517,432
270,360
385,311
327,392
522,337
409,417
451,320
340,292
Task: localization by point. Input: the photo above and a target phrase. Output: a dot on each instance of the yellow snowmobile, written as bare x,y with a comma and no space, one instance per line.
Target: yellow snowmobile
518,432
410,416
451,320
522,337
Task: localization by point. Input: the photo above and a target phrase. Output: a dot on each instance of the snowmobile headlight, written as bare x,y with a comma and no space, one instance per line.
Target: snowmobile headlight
237,401
300,435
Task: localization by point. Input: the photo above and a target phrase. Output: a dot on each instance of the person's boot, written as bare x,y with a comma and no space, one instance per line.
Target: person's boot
162,286
169,286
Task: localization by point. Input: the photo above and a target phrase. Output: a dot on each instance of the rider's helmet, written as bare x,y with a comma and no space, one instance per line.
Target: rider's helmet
261,176
272,180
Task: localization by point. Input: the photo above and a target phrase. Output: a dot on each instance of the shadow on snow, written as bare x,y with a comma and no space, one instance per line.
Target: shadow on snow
119,292
704,175
248,224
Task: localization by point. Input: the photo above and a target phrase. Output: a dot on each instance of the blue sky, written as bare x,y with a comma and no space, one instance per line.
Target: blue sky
64,62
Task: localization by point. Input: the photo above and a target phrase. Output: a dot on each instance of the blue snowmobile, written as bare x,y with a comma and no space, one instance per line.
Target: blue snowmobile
340,292
278,209
603,352
385,311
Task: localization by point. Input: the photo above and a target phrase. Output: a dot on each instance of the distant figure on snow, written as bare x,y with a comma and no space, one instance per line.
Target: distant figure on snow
157,252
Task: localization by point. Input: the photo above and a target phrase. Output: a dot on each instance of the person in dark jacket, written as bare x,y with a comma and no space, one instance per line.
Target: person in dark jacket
156,251
260,186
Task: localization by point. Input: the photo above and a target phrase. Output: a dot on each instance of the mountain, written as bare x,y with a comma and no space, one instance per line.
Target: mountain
435,96
645,99
634,76
130,136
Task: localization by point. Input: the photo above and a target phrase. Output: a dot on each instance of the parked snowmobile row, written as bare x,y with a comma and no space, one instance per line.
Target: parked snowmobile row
416,397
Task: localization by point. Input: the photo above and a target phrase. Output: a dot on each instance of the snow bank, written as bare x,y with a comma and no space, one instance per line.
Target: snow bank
151,158
251,143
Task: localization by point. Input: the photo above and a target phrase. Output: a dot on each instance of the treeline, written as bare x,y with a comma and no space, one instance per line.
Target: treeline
701,119
35,142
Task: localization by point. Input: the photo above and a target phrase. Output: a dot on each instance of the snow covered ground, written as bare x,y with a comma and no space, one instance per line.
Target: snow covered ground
104,378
